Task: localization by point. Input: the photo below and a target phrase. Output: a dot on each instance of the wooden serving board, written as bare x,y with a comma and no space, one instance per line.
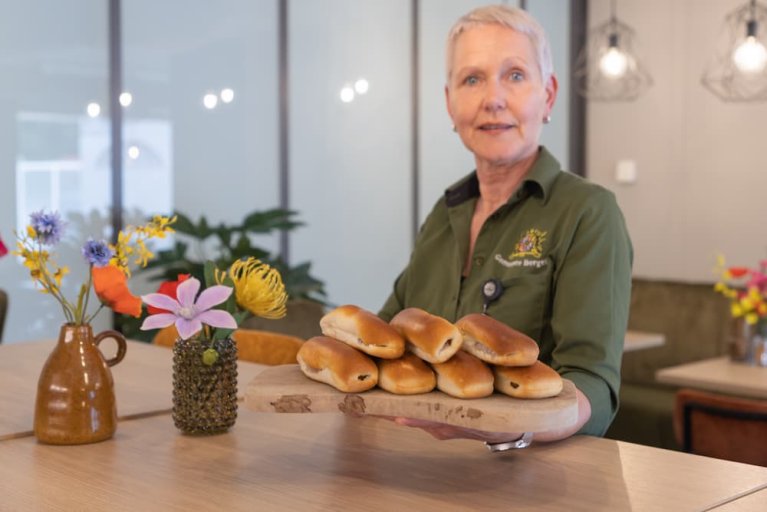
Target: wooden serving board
286,389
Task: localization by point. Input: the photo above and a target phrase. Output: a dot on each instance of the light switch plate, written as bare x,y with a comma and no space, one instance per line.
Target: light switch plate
626,171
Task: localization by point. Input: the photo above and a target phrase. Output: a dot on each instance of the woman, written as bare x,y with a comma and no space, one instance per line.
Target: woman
556,244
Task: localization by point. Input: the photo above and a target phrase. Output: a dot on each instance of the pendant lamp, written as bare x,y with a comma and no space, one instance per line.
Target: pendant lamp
738,69
608,68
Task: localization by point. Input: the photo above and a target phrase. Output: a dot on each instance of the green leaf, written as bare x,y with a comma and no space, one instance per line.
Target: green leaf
240,316
220,334
210,274
269,220
203,230
79,313
224,235
184,224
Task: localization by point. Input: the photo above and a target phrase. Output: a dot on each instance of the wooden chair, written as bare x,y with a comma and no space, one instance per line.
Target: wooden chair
263,347
3,311
721,426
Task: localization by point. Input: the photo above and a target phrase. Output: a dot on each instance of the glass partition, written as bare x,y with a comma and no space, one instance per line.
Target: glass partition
54,126
200,111
350,143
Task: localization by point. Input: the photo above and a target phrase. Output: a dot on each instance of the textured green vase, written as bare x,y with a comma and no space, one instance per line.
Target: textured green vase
204,396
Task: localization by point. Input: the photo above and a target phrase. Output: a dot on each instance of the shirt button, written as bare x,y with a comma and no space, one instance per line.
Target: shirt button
479,261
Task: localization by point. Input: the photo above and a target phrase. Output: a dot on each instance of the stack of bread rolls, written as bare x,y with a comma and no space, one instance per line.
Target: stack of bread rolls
418,351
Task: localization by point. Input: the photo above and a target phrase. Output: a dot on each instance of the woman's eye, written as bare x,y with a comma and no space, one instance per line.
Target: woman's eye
471,80
516,76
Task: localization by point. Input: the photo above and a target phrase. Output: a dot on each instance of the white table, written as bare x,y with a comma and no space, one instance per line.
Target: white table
638,340
720,375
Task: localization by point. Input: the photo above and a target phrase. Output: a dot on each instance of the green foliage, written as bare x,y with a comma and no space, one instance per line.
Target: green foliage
227,243
230,243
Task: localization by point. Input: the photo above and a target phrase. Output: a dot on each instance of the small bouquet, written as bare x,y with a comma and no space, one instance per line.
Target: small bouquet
109,264
215,312
747,290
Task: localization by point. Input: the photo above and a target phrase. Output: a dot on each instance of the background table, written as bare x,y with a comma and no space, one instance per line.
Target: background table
637,340
143,382
719,375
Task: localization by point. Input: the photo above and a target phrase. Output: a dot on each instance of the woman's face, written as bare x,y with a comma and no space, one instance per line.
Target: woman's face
496,96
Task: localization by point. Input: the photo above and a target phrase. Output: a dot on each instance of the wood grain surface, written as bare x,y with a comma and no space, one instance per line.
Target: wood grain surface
284,389
333,462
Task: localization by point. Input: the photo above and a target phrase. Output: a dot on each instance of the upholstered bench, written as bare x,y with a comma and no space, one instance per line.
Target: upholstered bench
696,323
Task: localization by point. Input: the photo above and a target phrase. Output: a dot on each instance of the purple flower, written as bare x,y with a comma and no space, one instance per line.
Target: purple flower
188,314
48,227
97,253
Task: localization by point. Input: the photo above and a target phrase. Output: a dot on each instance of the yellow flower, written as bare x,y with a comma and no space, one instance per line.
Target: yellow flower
259,288
144,254
219,276
59,274
747,303
122,251
31,233
752,318
736,310
160,225
720,260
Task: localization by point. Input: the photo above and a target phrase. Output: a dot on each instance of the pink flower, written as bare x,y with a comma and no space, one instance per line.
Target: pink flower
188,314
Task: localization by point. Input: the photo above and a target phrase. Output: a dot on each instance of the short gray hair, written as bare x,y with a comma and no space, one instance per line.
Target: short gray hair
511,17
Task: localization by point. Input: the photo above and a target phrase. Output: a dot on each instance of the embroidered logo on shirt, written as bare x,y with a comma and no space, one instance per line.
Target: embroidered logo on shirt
531,244
527,252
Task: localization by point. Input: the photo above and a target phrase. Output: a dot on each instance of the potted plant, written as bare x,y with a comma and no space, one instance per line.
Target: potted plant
198,241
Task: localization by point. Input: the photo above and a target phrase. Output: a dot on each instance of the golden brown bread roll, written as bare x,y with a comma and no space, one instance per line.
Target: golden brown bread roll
332,362
534,381
464,376
430,337
407,375
364,331
495,342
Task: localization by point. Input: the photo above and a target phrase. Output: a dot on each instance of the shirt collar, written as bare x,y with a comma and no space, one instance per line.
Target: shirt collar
539,180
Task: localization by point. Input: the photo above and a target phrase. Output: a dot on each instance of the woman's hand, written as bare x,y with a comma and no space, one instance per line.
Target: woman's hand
443,431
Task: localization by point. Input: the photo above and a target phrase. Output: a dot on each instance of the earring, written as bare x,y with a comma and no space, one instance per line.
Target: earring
455,129
547,119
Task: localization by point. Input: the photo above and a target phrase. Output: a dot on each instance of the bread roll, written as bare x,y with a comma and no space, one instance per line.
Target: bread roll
364,331
534,381
332,362
430,337
464,376
495,342
407,375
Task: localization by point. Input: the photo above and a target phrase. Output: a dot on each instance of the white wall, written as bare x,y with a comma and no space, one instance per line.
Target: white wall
702,163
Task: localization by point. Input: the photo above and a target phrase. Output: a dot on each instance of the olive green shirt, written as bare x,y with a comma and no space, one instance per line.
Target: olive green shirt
561,250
